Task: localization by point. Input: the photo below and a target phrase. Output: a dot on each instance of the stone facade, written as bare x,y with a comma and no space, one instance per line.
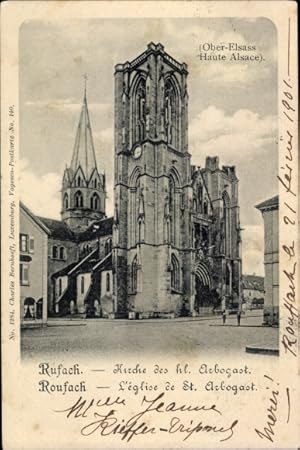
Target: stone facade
270,210
173,224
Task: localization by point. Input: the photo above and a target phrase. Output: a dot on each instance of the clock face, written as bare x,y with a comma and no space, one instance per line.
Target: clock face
137,152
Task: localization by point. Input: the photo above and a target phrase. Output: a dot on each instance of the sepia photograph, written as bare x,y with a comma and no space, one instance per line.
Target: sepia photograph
149,225
148,200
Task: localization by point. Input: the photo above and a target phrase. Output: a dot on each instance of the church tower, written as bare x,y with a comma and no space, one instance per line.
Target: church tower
83,187
153,193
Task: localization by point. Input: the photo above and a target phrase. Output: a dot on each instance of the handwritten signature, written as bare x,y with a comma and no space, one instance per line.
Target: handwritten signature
107,423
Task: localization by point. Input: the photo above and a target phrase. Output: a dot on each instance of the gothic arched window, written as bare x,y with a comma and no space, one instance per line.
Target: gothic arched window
175,274
62,253
108,246
137,218
134,270
78,180
172,209
168,230
95,201
171,114
194,205
54,252
78,200
200,197
226,224
140,237
82,285
140,112
59,287
66,201
107,282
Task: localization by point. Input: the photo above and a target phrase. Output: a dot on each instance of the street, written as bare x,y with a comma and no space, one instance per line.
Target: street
187,337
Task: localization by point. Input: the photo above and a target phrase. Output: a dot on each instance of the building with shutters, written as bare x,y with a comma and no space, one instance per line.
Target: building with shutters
253,291
33,253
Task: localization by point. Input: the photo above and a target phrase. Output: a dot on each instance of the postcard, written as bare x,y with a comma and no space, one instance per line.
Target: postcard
150,224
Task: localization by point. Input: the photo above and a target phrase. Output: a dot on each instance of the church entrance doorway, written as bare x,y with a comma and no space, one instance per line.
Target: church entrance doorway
206,299
202,295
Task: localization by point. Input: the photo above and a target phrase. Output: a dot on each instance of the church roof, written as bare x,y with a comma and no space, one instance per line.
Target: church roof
104,264
84,151
86,265
36,219
64,271
98,228
94,264
271,203
58,229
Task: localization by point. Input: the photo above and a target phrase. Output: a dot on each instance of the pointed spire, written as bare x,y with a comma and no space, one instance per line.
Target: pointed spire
84,151
85,76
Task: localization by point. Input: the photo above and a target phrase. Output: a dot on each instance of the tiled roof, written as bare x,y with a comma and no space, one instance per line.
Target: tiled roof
64,271
270,203
36,219
87,265
99,228
253,282
58,229
95,264
104,264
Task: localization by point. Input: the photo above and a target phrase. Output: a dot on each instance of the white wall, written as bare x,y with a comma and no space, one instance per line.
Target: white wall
81,295
103,283
37,286
64,285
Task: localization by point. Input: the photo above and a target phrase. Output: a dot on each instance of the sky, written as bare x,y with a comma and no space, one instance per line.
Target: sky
232,104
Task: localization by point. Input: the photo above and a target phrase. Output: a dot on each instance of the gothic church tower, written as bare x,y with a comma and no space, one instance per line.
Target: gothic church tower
152,248
83,187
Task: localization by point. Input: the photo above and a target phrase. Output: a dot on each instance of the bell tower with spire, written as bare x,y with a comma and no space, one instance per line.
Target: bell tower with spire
83,187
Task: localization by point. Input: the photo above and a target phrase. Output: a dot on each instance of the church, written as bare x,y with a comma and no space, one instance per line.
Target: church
173,246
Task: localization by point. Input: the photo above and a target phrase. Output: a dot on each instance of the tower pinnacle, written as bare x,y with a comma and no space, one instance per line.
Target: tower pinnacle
84,151
83,192
85,76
